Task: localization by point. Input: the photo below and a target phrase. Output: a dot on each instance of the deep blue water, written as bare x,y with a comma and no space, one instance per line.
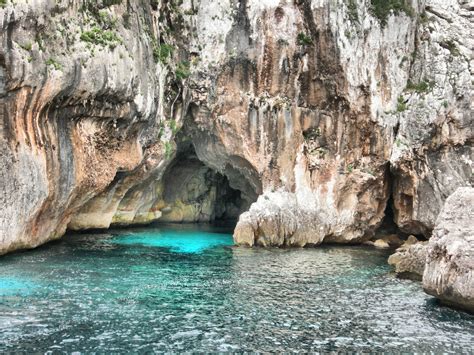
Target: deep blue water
186,288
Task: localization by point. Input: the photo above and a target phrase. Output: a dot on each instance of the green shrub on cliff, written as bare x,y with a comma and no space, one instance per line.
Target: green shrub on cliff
382,9
352,10
106,20
401,104
182,70
173,126
108,3
27,46
54,63
162,52
100,37
421,87
3,3
312,134
451,46
168,150
303,39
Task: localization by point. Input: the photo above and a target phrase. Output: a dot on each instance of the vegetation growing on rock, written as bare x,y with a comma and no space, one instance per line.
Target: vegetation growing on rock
162,52
303,39
352,10
451,46
54,63
401,104
382,9
100,37
183,70
423,86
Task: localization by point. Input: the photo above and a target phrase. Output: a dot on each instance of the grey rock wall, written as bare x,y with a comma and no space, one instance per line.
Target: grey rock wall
449,270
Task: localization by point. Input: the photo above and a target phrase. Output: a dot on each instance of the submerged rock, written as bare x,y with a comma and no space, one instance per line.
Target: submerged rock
449,270
385,242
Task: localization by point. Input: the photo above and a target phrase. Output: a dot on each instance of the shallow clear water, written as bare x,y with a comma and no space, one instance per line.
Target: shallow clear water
177,289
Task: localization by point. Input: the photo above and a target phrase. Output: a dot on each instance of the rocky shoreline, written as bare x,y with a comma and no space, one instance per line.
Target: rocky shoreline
445,263
312,123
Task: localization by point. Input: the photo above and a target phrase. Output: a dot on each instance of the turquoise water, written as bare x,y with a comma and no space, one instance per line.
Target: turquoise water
179,241
175,289
10,286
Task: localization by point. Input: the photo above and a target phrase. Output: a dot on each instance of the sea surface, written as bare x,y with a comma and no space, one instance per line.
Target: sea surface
186,288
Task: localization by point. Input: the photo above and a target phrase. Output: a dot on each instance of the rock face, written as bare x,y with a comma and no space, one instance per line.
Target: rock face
79,113
367,123
310,116
449,271
433,152
409,260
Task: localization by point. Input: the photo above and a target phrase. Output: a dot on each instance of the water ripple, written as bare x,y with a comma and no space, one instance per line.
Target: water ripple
187,290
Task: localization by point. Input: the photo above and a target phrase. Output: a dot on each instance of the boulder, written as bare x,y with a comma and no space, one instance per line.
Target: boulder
393,240
449,270
409,259
381,244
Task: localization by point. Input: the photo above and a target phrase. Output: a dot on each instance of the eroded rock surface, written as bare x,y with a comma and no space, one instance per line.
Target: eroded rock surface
404,103
79,112
449,270
409,260
317,113
432,153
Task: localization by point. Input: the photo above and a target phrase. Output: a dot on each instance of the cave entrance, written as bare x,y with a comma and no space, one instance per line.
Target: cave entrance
388,225
195,193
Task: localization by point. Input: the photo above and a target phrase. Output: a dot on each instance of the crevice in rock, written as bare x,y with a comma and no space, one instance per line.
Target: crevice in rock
389,226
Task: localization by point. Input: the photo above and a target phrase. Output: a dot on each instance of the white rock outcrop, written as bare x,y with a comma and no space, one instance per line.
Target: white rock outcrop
449,270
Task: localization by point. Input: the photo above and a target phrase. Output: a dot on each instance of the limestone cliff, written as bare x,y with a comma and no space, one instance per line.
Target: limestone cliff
80,106
312,115
449,269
